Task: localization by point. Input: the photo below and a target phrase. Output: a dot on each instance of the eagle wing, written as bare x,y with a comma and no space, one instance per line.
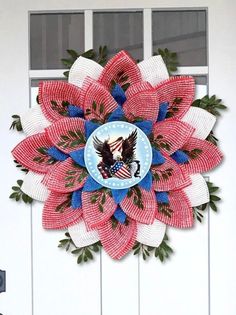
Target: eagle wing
128,147
103,150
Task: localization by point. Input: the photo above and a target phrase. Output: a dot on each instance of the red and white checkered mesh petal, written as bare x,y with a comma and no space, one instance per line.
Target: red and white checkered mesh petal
143,104
57,91
93,216
174,132
53,218
182,215
123,64
137,88
26,151
97,100
209,158
143,215
175,178
63,128
61,176
177,87
118,241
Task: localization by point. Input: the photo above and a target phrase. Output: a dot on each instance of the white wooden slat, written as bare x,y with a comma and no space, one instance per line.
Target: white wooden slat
15,225
192,70
222,69
64,286
147,33
88,29
179,286
120,289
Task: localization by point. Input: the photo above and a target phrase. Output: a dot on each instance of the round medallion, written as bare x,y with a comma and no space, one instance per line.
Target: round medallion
118,155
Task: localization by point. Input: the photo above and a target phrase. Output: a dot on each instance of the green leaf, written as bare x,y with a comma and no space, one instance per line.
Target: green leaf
16,124
18,194
211,104
94,106
169,58
162,252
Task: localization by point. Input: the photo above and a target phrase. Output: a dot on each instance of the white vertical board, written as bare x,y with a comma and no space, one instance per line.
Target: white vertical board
175,286
15,227
222,69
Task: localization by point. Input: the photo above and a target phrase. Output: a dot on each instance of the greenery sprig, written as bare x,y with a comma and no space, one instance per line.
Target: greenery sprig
19,166
16,124
212,104
162,252
100,57
198,211
170,59
84,254
18,194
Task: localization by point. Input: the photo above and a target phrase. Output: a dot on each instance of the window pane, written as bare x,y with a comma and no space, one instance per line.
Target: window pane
119,30
51,35
201,80
183,32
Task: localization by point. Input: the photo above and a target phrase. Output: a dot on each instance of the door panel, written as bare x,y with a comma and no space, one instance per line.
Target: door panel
42,279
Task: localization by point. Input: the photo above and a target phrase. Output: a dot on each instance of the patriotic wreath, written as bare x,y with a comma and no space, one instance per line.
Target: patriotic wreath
116,154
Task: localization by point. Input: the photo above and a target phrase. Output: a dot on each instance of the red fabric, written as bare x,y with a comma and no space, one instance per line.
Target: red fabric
94,91
118,241
178,179
92,215
143,104
207,160
137,88
145,215
177,87
174,132
57,91
121,62
63,128
55,180
182,215
53,219
26,151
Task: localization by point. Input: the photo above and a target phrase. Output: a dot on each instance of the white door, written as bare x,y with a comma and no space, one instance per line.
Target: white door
41,279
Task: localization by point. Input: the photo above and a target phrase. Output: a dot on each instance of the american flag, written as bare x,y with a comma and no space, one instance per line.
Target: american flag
116,145
120,170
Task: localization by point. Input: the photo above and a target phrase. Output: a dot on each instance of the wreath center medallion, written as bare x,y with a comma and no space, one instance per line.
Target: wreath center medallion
118,155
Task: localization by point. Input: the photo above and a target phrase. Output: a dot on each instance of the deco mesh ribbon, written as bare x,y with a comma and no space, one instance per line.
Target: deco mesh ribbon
124,203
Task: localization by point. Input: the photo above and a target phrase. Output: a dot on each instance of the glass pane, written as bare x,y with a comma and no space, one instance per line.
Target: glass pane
119,30
183,32
51,35
201,80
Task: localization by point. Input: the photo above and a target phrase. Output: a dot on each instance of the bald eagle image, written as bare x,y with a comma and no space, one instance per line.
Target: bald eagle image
118,157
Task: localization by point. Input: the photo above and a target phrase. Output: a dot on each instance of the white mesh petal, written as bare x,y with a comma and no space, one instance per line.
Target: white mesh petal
197,192
151,234
33,121
153,70
33,187
201,120
80,236
83,68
